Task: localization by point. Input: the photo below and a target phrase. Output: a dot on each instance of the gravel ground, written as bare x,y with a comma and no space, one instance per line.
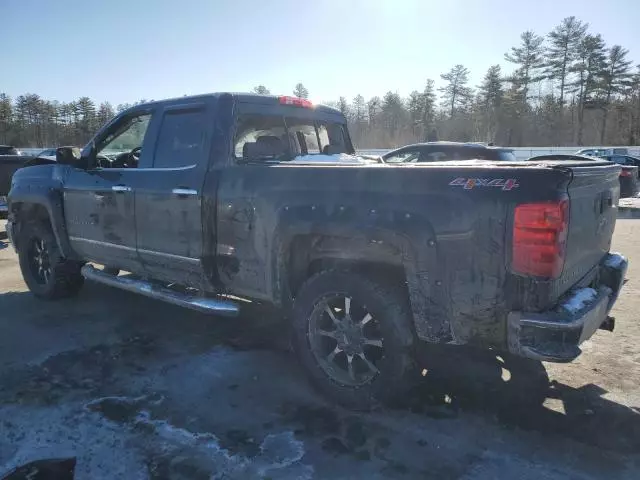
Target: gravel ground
135,388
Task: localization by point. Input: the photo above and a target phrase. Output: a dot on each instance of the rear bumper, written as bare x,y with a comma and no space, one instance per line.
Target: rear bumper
556,335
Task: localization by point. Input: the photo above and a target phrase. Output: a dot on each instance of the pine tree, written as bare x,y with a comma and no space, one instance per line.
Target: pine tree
456,93
261,90
563,51
415,105
343,106
589,67
616,79
300,91
6,118
104,114
429,100
490,96
530,61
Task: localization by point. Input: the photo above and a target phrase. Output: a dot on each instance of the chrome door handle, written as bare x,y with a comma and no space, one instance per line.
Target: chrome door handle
121,188
184,192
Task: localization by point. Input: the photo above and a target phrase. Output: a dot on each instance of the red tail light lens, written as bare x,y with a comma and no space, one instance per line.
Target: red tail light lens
540,238
296,101
625,173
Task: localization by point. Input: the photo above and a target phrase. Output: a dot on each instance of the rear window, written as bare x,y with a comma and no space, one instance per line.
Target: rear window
279,138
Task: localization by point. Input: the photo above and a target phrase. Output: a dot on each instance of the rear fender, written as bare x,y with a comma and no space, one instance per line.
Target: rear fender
371,236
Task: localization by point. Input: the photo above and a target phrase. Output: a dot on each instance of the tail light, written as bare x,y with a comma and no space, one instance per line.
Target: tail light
540,238
296,101
625,173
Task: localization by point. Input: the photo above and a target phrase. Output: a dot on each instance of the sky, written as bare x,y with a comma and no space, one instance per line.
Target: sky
126,50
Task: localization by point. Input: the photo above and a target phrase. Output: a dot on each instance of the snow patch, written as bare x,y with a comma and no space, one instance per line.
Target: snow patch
337,158
579,299
614,260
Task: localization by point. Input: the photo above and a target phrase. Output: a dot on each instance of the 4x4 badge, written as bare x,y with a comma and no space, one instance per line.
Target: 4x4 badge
469,183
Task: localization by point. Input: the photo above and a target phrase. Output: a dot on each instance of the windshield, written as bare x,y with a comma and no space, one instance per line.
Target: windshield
279,138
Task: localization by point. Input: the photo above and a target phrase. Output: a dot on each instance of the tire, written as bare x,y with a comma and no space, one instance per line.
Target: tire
386,339
63,280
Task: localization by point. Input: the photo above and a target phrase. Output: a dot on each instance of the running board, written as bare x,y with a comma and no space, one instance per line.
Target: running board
148,289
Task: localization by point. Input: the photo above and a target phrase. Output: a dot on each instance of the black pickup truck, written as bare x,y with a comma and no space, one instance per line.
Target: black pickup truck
235,195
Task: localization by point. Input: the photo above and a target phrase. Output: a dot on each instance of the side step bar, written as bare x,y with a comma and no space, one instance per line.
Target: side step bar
201,304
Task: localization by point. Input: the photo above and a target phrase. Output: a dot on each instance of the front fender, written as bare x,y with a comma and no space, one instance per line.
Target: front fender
40,186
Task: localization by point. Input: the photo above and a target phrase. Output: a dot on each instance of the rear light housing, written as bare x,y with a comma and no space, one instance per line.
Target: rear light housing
626,173
540,238
296,101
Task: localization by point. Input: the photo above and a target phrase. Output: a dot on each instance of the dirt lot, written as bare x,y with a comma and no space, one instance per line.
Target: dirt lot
138,389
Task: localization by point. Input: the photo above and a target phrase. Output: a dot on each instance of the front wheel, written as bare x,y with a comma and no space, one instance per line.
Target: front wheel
354,338
47,274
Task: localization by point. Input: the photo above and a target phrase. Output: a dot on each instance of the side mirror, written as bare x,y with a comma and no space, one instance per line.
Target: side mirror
68,155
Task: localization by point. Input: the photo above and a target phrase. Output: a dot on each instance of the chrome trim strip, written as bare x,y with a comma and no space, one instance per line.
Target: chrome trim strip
104,244
169,255
192,260
184,192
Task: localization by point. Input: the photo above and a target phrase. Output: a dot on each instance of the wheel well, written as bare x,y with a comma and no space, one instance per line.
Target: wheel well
309,255
28,212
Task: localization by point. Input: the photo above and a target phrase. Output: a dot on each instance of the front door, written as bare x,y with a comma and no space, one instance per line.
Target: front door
169,202
99,202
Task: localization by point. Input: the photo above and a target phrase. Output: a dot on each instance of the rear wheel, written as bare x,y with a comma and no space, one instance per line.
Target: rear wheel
354,338
47,274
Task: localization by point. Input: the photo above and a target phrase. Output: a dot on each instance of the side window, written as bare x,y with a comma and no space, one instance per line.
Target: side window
435,156
403,157
181,139
126,135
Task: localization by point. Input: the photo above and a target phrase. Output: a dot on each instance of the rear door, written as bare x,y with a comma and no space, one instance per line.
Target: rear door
169,201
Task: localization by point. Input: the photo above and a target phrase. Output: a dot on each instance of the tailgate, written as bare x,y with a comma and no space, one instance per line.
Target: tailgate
593,193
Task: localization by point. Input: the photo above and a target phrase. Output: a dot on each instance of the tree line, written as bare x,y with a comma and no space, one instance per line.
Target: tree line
567,87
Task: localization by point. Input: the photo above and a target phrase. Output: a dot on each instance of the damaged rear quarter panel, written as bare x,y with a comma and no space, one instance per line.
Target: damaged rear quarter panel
449,242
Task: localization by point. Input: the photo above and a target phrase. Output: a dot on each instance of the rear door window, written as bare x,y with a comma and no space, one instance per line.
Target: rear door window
181,140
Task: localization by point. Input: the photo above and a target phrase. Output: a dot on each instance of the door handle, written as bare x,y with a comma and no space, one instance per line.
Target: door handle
121,188
184,192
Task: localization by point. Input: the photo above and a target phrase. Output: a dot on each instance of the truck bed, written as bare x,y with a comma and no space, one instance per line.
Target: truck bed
449,226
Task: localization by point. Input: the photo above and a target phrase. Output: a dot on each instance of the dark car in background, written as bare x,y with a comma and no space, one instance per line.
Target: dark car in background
9,150
445,151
